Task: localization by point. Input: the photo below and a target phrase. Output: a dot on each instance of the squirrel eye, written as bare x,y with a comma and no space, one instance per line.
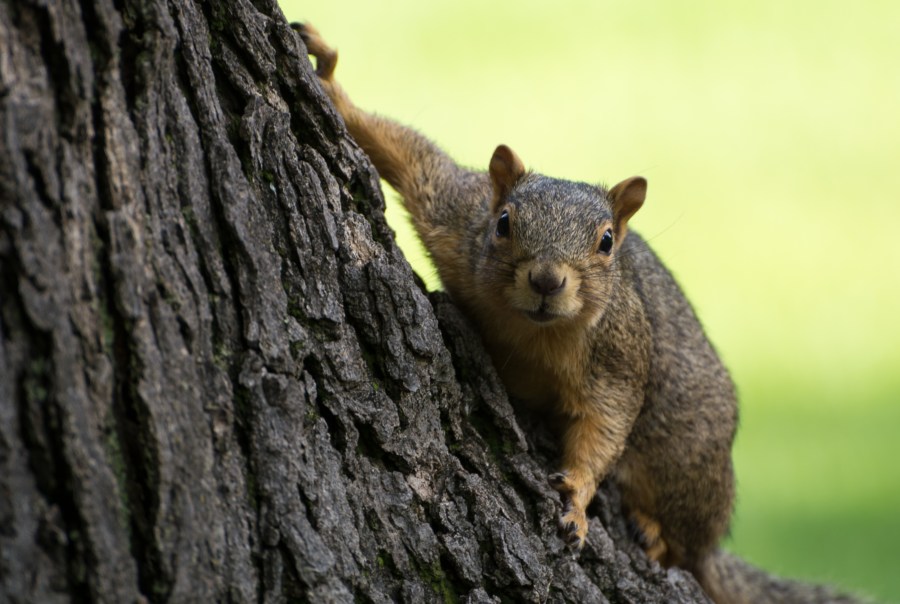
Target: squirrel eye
606,242
503,224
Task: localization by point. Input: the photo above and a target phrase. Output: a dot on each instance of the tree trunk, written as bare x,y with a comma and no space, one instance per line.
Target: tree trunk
219,379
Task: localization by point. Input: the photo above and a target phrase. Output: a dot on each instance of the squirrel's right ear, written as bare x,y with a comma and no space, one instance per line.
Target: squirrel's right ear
506,169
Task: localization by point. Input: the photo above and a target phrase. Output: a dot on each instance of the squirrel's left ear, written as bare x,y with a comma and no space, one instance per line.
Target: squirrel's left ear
506,169
626,198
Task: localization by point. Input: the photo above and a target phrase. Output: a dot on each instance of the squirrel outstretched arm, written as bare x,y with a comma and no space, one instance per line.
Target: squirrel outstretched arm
583,322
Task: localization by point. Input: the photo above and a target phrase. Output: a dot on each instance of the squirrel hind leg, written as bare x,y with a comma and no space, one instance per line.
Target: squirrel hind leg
326,57
648,534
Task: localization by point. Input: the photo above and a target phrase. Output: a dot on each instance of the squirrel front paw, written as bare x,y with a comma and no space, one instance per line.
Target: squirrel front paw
573,525
573,522
326,57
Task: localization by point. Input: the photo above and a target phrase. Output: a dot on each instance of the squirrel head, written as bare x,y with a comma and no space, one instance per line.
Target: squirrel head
550,245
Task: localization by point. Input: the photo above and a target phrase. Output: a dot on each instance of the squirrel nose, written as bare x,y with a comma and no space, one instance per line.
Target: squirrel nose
546,284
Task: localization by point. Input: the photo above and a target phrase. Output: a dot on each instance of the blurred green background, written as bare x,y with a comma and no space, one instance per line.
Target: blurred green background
770,135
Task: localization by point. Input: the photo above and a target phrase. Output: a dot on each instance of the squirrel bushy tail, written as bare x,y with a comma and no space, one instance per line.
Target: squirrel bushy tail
728,579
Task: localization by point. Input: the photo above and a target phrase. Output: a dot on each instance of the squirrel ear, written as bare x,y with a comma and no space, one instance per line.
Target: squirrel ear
506,169
627,197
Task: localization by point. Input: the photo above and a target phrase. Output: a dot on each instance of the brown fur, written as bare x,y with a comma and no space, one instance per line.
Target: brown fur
601,338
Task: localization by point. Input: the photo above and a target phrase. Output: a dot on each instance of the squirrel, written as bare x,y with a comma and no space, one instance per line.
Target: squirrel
582,319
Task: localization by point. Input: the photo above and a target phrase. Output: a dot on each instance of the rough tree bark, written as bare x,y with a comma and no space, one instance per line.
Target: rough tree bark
219,379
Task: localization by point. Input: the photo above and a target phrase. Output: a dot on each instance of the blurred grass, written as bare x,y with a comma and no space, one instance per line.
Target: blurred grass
770,134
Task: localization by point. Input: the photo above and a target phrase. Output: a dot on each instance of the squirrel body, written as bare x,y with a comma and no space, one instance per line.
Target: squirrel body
582,320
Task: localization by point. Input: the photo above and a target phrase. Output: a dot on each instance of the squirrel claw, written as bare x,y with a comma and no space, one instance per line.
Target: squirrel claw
570,533
636,533
573,526
559,482
569,529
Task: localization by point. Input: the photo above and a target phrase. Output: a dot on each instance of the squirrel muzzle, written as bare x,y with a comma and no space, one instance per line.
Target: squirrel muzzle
546,291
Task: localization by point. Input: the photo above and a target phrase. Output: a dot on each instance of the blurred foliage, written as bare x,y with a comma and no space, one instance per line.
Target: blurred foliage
770,134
